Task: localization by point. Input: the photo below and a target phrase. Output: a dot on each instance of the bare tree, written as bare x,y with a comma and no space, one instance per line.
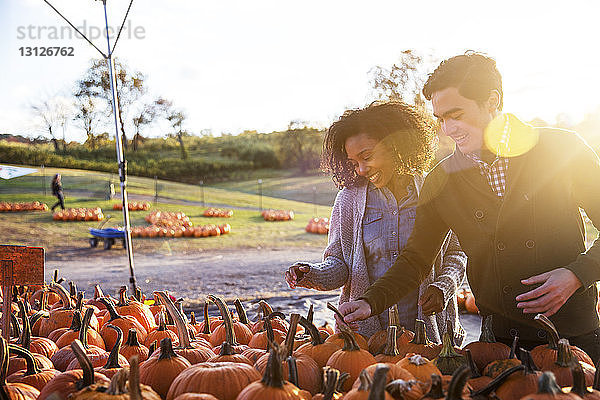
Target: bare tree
176,117
48,116
87,115
143,117
404,80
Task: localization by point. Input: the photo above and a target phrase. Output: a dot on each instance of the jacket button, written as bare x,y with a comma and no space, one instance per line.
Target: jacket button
507,289
530,244
479,214
513,332
501,246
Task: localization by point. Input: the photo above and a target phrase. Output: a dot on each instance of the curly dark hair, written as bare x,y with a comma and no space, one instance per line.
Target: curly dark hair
407,132
474,75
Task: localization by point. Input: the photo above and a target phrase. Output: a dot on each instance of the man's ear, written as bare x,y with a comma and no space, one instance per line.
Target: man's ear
493,102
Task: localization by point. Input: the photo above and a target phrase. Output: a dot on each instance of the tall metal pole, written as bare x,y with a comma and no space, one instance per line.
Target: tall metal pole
120,157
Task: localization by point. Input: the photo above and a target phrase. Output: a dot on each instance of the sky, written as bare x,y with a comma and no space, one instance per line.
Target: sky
257,65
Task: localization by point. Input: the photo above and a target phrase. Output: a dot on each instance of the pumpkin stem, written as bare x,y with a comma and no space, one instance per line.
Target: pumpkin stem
84,363
79,303
182,331
315,336
32,366
123,301
134,389
563,355
33,319
457,383
15,326
549,327
268,326
179,304
85,325
420,334
437,390
152,348
349,341
229,332
487,333
113,357
391,347
98,293
44,301
241,312
311,313
579,386
206,329
344,376
193,318
291,334
273,376
63,294
365,381
379,381
338,313
292,370
25,338
330,379
527,361
72,290
513,347
138,295
265,308
474,370
132,338
112,311
166,349
448,361
547,384
116,387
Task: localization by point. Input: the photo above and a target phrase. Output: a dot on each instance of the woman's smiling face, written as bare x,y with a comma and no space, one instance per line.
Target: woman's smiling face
371,158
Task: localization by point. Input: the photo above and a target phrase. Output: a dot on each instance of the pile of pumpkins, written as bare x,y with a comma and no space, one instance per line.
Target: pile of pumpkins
133,206
318,225
16,207
180,231
79,214
277,215
67,346
217,212
176,224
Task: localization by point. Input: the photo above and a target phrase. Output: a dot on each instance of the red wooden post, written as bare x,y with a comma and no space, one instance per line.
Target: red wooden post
21,265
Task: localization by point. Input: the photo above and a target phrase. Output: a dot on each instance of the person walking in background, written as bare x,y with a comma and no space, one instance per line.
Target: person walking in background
512,193
378,157
57,191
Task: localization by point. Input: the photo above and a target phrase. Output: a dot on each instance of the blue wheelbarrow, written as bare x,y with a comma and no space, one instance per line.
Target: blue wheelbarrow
107,235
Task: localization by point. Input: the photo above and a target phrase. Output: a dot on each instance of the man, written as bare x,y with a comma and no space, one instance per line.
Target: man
512,194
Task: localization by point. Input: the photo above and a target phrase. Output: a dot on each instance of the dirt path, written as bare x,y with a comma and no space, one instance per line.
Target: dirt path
248,274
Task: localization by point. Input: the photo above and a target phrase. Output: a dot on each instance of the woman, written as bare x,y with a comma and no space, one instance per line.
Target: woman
57,191
378,156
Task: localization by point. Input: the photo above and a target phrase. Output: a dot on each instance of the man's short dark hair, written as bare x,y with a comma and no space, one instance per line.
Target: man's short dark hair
473,74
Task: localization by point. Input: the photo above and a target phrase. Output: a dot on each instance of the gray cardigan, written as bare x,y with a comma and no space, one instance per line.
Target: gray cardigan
344,265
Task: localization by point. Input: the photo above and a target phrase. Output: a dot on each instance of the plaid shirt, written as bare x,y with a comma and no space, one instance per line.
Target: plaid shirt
495,172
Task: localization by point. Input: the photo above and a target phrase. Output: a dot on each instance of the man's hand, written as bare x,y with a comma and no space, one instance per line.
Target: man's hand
295,273
557,286
355,311
432,300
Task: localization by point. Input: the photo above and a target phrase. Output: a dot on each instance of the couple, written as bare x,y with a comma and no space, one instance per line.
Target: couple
510,193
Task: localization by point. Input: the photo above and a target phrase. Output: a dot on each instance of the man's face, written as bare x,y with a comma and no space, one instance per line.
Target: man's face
462,119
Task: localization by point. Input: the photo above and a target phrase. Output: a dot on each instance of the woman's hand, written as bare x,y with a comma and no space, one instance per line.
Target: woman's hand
432,300
295,273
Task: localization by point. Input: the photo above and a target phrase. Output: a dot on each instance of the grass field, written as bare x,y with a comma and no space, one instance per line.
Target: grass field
88,190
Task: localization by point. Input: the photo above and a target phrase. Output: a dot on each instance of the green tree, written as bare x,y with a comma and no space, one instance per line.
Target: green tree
129,84
300,146
176,117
